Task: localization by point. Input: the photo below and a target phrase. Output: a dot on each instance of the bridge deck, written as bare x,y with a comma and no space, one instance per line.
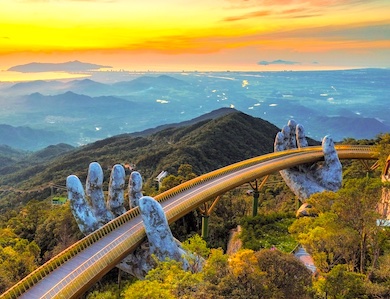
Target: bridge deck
76,265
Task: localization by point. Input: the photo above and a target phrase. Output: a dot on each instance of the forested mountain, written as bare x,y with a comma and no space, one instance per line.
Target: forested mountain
9,156
206,145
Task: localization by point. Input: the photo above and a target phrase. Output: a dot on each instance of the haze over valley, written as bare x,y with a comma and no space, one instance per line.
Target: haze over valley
35,114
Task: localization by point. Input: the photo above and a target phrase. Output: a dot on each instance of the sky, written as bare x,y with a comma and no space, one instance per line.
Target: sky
173,35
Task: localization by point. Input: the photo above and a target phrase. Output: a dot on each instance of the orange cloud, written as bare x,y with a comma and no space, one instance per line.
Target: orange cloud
288,13
251,15
203,28
316,39
311,40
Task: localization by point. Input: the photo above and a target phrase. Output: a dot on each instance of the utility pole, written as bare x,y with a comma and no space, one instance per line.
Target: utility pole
256,194
205,212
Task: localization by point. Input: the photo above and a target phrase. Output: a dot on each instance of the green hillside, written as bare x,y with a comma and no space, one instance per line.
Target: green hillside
206,145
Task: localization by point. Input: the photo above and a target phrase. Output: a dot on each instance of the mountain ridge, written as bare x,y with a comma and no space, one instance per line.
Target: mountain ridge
206,145
211,115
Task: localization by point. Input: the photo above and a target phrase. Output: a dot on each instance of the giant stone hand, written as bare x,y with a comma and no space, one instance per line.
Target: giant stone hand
306,180
91,211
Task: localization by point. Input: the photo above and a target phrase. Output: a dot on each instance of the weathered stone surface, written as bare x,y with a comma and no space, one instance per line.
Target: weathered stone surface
306,180
93,212
82,211
115,202
162,243
95,193
135,189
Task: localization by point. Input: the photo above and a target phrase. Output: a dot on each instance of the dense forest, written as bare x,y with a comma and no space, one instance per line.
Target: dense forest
351,253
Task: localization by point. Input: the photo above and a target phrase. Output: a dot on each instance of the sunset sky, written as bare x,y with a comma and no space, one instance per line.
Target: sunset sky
197,34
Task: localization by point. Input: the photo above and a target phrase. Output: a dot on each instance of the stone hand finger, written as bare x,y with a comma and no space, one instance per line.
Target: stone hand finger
331,172
301,136
80,207
330,153
115,201
286,139
291,136
94,190
135,189
301,143
279,144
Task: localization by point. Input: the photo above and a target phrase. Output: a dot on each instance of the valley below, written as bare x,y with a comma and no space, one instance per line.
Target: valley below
345,104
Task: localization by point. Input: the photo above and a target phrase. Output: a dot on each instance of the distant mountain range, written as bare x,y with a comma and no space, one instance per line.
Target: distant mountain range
71,66
93,88
27,138
344,104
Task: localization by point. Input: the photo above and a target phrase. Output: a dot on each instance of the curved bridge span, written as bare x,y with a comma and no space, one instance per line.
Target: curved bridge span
76,269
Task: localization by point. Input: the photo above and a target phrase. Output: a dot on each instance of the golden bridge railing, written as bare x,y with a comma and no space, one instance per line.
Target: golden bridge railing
344,152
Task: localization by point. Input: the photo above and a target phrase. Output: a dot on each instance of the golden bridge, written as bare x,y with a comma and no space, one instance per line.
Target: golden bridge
76,269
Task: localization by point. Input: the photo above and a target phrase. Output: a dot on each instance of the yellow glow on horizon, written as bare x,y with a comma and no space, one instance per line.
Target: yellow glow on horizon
6,76
78,25
199,27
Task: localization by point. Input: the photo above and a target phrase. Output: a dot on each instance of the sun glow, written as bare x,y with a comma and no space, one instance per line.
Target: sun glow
19,77
288,30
